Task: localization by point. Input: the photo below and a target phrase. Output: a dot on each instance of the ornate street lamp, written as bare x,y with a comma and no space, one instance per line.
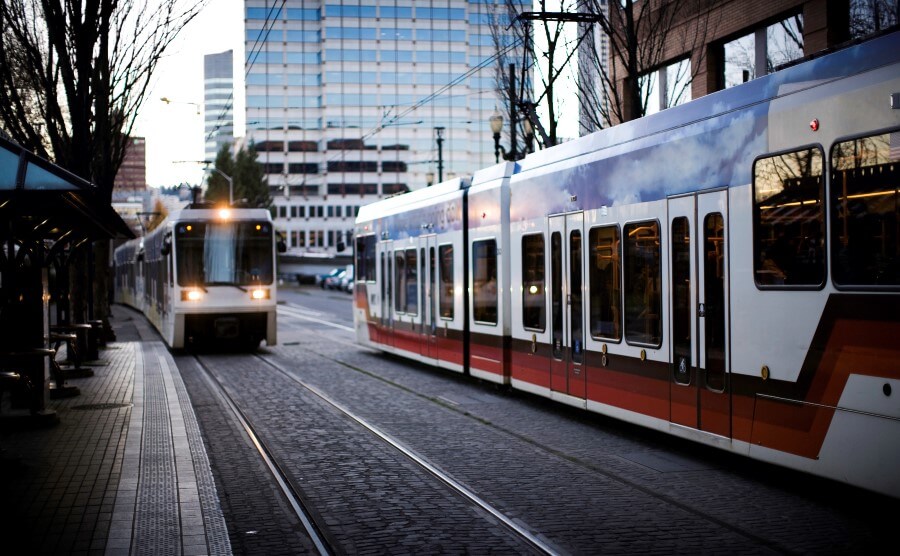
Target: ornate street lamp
496,121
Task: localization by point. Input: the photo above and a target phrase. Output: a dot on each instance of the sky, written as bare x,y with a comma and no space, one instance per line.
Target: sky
174,131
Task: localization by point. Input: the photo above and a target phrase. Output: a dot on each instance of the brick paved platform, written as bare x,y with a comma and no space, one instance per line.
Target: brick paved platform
123,472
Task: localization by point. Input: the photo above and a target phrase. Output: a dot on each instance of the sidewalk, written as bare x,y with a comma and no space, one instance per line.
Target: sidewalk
124,472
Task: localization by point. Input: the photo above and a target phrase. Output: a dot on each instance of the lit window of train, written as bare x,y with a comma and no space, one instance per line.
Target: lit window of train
534,303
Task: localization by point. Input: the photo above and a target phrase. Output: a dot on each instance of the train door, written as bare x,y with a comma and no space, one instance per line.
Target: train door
566,284
385,258
699,300
429,297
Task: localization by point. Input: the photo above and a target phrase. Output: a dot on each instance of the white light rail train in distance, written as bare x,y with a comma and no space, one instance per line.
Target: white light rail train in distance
726,271
204,277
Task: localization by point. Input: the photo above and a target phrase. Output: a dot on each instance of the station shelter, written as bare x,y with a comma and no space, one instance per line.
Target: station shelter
45,213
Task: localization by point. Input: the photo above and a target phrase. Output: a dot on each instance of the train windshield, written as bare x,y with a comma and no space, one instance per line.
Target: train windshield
224,253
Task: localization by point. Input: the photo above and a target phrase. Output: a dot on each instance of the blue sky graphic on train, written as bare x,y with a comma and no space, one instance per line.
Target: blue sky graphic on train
708,143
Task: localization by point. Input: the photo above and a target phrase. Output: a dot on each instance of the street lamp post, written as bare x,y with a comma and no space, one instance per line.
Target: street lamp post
496,122
167,100
440,162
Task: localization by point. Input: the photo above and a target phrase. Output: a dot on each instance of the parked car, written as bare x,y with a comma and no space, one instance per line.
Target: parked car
334,282
320,278
346,282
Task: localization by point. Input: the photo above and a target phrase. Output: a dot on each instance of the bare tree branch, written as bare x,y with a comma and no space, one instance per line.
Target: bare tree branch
73,75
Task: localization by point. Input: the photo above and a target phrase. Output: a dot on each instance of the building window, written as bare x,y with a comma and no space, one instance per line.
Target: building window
393,188
352,166
749,57
667,87
303,146
303,168
393,166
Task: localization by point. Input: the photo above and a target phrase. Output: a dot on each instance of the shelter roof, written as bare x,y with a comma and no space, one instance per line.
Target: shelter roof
41,201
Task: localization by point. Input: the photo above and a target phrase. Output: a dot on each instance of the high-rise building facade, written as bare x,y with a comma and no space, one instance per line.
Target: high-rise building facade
345,99
131,179
218,102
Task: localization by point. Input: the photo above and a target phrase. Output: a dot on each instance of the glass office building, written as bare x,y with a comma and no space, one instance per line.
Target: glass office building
344,98
218,93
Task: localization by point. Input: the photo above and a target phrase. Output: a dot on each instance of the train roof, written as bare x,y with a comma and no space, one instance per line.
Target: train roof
420,198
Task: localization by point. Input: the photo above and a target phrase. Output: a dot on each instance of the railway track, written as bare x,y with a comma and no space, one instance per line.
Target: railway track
314,525
662,496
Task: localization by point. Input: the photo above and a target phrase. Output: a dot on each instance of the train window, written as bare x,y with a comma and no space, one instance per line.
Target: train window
399,282
643,302
865,194
714,299
682,311
238,253
604,276
361,258
576,317
445,300
788,218
534,302
484,281
556,296
365,259
412,282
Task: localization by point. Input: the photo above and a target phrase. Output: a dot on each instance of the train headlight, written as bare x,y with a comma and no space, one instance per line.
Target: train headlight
224,214
259,294
191,295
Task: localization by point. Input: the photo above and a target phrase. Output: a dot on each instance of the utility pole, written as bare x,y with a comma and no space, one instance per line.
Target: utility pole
512,112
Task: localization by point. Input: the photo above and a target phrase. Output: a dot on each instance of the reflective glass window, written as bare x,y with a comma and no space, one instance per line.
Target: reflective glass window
391,12
643,300
302,36
445,260
484,281
604,274
303,14
865,211
412,282
534,303
788,218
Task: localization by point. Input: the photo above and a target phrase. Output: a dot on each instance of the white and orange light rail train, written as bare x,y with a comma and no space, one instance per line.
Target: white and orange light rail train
205,276
726,271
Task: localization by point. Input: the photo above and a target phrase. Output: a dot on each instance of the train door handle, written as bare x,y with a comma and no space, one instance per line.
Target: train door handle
534,343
